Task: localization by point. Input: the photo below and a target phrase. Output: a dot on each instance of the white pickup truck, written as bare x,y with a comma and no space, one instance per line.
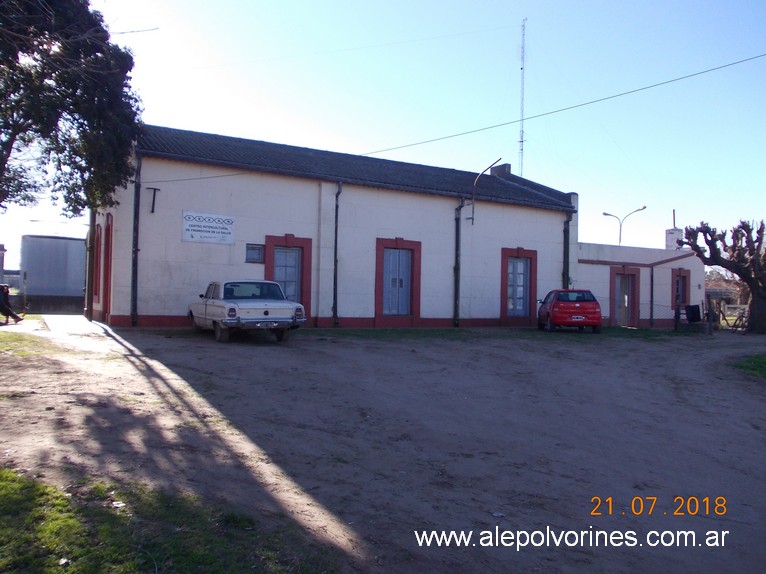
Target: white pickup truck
246,305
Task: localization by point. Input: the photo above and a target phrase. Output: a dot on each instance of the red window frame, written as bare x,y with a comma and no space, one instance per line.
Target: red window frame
291,241
519,253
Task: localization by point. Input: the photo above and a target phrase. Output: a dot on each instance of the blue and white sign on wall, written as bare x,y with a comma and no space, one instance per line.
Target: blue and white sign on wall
208,228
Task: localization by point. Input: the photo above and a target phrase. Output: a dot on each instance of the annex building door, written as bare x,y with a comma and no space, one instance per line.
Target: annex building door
625,308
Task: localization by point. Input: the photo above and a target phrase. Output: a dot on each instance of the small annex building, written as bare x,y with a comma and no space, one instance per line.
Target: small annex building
642,287
359,241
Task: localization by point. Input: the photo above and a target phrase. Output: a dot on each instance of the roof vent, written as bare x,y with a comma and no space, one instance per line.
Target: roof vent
502,170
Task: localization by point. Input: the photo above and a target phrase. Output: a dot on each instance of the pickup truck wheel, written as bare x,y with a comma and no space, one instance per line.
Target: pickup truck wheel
221,333
194,322
282,335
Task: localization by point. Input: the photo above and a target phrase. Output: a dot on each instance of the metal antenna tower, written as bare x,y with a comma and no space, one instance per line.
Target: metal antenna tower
521,128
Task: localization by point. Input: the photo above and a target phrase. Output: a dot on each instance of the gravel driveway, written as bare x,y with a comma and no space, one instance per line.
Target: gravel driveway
366,439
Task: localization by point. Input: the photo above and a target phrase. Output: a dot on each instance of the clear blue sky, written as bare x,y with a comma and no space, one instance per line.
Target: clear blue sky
358,77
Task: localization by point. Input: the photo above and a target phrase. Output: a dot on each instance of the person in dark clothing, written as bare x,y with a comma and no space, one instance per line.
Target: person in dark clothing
5,305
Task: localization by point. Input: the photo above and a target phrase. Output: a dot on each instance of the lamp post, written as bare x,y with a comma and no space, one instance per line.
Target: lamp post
456,268
621,220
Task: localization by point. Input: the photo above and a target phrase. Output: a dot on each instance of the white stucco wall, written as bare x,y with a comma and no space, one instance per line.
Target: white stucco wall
503,226
172,271
596,275
368,214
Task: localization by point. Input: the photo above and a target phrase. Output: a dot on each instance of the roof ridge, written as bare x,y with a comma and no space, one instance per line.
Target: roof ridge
308,149
297,161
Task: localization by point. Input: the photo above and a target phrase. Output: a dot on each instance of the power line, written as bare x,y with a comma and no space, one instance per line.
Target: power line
198,178
558,111
135,31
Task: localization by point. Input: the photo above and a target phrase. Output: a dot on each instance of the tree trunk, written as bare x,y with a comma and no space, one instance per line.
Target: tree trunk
757,321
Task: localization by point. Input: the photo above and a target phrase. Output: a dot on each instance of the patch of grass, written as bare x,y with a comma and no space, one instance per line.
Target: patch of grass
26,345
40,530
443,334
389,334
474,334
643,334
421,334
125,529
754,364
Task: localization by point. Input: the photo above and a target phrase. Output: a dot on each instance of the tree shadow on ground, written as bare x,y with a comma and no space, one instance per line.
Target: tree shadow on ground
363,441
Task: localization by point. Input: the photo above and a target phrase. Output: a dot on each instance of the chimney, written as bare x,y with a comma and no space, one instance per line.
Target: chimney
671,235
503,170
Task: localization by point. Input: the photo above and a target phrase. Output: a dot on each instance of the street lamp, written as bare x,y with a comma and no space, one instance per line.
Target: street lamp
623,219
456,268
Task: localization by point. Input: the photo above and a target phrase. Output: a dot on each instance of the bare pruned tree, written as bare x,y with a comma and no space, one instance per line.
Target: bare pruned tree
742,255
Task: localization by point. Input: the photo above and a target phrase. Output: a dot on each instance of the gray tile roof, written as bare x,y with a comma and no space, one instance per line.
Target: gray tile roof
245,155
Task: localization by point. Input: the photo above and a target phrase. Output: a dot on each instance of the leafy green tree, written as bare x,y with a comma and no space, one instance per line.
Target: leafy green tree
743,255
68,117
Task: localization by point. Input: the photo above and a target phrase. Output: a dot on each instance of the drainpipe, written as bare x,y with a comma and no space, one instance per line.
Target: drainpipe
335,320
651,297
134,262
458,211
567,243
456,305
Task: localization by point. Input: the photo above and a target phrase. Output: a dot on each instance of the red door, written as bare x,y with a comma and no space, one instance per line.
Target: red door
106,299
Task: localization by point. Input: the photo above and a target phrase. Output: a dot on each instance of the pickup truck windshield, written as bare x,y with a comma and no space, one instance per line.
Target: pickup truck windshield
252,290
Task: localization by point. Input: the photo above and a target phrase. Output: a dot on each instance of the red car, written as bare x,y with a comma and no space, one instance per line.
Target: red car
569,308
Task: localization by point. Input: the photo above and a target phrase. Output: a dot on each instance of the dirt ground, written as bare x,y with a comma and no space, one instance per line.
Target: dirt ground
366,440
